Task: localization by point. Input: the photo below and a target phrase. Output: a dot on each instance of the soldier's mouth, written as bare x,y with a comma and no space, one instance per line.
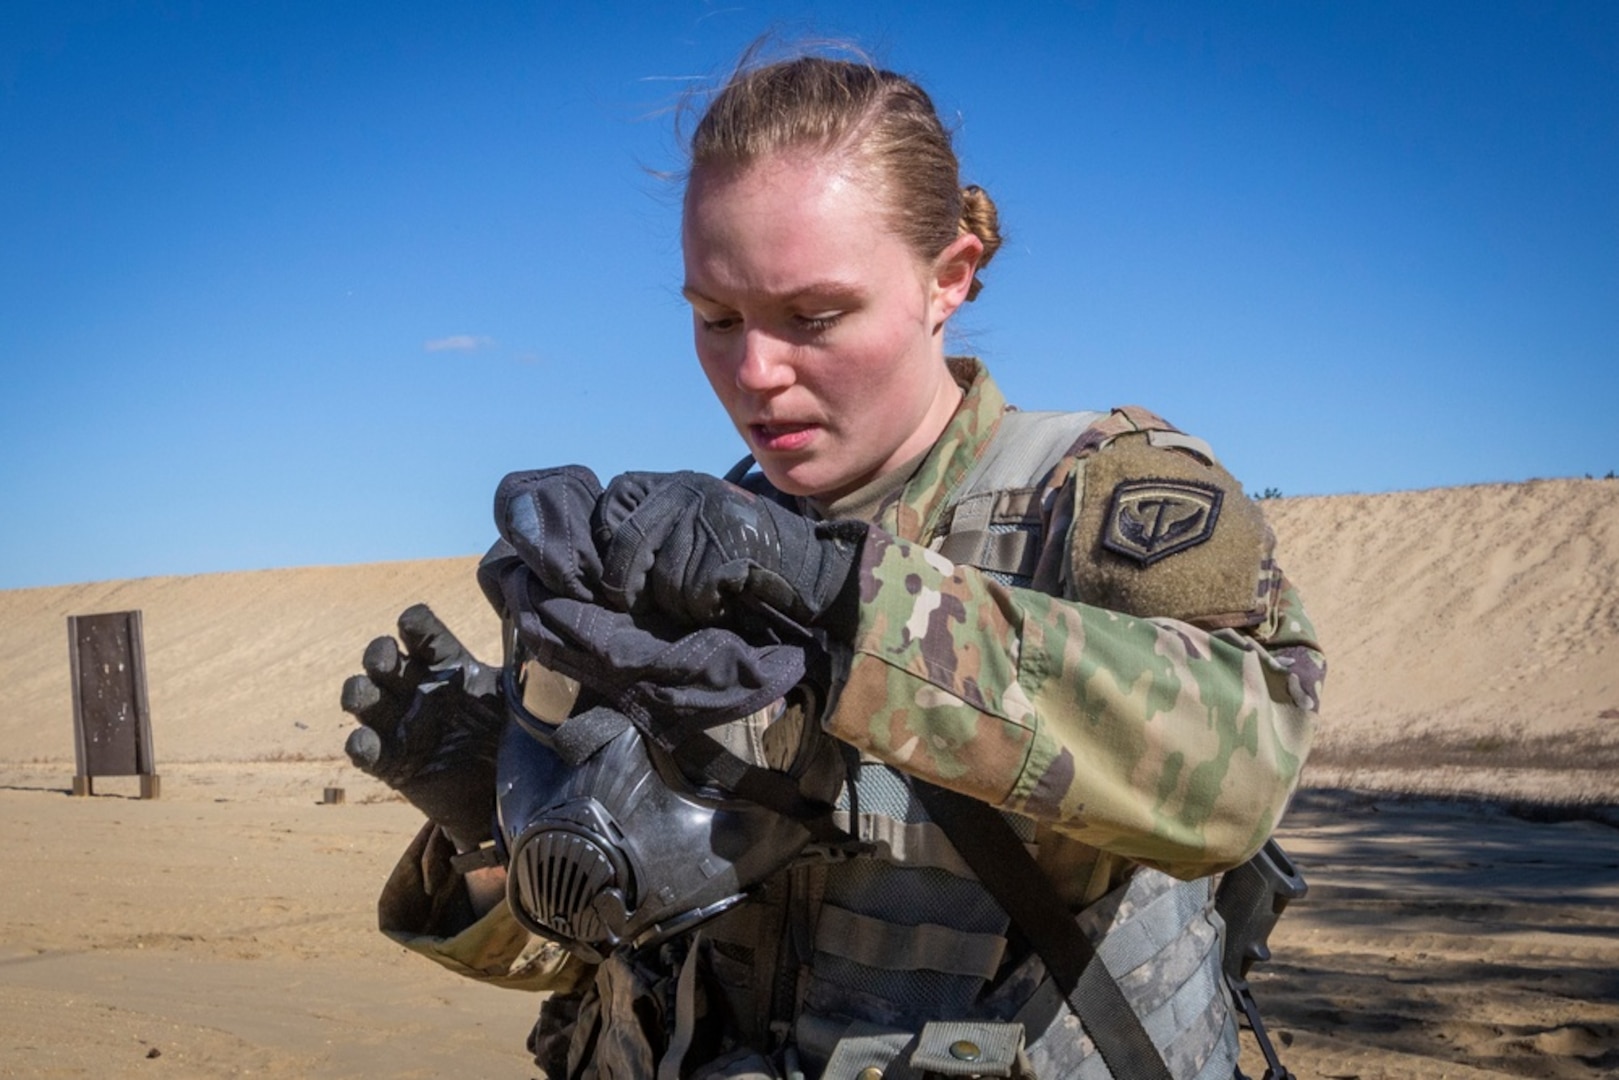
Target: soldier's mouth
781,438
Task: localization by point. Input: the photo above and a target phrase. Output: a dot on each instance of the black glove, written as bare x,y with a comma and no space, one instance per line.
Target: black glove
545,515
544,578
430,722
696,548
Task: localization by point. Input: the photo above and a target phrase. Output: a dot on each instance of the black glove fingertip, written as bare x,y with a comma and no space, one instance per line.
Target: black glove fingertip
774,591
547,517
615,505
360,695
364,748
384,661
429,641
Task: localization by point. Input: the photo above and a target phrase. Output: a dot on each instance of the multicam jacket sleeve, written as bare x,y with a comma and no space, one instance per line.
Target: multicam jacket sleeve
1145,736
424,907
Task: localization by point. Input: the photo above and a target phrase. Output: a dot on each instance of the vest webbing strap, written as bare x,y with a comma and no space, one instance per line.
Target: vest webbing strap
1004,867
1025,448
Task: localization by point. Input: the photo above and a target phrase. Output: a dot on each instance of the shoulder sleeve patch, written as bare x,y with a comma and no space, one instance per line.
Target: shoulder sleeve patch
1149,520
1161,532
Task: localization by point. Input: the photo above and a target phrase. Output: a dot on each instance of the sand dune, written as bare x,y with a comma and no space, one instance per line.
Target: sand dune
240,666
1495,606
1472,628
226,928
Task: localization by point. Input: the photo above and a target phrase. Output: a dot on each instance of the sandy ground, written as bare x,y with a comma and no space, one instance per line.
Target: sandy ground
227,929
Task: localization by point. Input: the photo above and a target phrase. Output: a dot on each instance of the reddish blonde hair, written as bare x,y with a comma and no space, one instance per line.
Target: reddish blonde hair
885,120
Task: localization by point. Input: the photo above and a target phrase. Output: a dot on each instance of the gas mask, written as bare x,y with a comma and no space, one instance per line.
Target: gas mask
613,839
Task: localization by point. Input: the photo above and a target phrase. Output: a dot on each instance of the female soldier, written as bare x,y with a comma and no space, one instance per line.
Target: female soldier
1073,619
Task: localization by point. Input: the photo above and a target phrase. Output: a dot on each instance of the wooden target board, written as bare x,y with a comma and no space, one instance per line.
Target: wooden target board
112,726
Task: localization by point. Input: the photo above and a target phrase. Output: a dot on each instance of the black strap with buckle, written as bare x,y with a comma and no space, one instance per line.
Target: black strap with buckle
1005,867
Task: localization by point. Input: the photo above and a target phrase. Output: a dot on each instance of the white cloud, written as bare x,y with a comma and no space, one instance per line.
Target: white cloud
458,343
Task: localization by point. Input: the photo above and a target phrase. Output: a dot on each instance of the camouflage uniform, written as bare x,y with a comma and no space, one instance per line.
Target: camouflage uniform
1175,743
1136,694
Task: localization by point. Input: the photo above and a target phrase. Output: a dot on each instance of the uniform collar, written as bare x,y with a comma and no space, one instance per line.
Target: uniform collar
915,513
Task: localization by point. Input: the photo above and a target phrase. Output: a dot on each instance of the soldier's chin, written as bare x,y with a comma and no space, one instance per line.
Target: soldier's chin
804,484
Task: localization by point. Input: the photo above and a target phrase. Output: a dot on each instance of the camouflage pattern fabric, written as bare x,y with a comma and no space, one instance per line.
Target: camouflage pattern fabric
1143,737
424,907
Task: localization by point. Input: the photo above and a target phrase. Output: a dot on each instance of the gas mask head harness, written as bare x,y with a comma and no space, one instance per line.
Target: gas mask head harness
615,836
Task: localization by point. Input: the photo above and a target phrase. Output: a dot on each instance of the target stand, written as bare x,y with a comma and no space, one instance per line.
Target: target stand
112,725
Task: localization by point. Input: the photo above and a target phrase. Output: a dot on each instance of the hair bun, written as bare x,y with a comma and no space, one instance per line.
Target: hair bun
979,217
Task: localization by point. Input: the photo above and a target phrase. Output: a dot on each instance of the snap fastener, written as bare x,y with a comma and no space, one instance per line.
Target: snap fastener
965,1050
870,1072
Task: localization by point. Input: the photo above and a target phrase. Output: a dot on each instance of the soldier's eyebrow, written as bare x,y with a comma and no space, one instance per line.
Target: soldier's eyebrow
829,289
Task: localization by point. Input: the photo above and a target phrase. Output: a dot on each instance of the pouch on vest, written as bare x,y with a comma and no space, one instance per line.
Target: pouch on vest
965,1048
954,1048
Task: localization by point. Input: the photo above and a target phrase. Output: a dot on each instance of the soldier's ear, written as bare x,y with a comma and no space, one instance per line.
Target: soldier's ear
951,278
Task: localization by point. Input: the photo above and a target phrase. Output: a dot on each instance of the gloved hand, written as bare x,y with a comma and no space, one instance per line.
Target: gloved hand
544,578
430,721
697,549
545,517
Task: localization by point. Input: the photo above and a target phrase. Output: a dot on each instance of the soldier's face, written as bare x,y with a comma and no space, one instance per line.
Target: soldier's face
819,329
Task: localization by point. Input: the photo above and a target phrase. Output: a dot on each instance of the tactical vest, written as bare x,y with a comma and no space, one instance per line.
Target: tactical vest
893,960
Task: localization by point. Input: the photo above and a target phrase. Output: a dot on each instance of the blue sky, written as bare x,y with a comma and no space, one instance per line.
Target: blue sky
294,283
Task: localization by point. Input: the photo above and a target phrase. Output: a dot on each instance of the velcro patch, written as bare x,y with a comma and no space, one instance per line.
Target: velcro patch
1162,532
1152,519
